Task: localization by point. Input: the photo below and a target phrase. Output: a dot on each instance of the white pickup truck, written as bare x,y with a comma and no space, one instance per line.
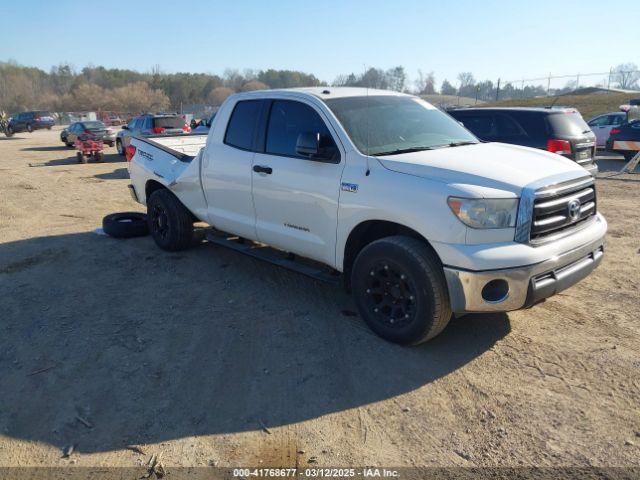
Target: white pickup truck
421,219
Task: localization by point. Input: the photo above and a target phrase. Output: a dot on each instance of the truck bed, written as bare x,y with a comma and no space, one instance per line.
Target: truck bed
183,147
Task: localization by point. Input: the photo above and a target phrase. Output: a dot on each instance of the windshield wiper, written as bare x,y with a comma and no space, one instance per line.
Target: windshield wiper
461,143
401,150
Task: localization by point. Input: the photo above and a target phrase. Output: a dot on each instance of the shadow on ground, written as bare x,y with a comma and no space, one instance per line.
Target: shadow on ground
72,159
117,174
51,148
110,342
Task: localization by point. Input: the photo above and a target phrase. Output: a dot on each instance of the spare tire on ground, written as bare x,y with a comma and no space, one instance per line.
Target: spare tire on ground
125,225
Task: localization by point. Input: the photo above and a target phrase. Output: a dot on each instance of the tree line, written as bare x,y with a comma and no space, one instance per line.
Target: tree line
99,88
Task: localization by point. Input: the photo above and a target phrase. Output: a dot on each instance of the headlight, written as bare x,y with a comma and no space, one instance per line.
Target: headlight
485,212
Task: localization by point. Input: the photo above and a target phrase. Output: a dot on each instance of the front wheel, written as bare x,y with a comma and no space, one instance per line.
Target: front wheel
29,128
170,223
399,288
9,131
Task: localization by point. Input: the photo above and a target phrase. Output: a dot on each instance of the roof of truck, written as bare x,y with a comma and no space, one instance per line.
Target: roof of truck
326,93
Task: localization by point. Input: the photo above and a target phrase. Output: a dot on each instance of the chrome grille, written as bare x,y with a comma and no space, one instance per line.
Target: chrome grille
562,207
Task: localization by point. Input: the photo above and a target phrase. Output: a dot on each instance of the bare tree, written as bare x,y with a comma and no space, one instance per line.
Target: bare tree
425,84
626,75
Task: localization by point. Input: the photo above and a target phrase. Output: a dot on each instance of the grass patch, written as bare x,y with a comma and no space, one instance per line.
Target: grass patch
588,105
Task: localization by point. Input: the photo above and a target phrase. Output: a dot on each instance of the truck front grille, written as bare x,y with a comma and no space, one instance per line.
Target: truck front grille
562,207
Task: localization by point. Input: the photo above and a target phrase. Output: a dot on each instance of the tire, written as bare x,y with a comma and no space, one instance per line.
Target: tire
29,128
98,156
69,145
411,311
110,144
81,158
48,128
119,147
170,223
9,131
125,225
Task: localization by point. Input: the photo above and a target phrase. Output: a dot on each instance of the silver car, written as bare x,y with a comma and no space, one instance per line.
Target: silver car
69,135
603,124
148,125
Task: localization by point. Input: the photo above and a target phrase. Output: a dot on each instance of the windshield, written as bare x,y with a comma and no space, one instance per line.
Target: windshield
94,125
568,124
388,124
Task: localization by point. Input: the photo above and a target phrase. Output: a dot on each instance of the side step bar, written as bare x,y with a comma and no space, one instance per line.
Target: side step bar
281,259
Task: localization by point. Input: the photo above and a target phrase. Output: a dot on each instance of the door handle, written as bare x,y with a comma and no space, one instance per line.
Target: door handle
262,169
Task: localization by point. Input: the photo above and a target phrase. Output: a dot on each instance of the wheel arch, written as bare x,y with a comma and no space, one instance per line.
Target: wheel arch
369,231
151,186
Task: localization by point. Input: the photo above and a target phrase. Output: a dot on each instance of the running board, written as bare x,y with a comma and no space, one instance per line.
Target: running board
276,257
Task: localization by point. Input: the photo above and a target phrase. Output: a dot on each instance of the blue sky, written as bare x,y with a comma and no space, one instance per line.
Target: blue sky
517,39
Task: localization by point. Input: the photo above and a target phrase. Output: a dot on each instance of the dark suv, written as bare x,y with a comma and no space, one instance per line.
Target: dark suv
557,130
30,121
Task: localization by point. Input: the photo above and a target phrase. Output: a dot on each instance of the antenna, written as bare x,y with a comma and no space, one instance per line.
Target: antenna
367,87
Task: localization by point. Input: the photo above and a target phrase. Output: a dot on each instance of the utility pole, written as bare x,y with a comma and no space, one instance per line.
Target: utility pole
609,81
549,84
498,90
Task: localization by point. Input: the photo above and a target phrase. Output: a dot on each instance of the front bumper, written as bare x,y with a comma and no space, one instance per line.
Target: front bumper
471,291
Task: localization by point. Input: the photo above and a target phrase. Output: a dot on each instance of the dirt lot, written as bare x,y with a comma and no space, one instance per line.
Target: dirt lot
214,358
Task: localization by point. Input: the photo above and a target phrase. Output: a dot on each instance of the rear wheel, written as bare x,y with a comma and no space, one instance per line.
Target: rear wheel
170,223
119,147
400,290
29,128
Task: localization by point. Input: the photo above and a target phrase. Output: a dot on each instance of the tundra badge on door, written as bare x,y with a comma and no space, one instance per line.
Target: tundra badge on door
350,187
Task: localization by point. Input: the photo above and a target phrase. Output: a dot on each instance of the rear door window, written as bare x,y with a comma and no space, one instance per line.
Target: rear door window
506,127
481,125
616,119
242,124
533,124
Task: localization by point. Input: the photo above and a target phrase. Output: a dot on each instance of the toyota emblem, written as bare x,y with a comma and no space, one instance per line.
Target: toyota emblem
573,208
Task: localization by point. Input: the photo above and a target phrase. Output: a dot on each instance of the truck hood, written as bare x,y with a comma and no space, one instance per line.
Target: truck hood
497,166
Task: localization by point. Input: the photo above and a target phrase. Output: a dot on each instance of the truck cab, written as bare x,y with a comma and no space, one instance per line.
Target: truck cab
421,218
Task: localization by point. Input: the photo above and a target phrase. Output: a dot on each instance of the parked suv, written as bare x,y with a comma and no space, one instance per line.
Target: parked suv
557,130
30,121
149,125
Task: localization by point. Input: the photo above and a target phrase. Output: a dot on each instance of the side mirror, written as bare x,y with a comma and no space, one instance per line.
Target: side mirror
309,144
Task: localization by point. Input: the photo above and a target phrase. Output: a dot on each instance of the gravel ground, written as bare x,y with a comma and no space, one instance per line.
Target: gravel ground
212,358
